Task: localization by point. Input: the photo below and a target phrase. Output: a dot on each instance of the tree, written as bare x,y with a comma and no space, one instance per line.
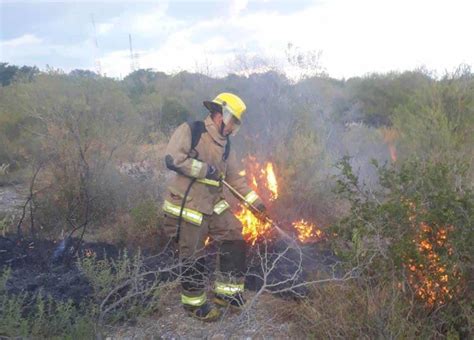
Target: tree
11,73
141,82
83,74
7,72
173,114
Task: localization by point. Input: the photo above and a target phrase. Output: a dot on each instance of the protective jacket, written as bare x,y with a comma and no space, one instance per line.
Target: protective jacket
205,196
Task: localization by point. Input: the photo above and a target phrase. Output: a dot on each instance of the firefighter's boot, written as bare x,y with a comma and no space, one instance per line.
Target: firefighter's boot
229,287
205,312
235,302
193,295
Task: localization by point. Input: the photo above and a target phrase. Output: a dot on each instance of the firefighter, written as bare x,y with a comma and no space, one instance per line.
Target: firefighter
199,154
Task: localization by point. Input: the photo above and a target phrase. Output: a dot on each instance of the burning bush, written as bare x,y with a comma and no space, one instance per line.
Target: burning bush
263,180
416,231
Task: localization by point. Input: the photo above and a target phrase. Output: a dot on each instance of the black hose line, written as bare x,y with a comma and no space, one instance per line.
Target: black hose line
183,202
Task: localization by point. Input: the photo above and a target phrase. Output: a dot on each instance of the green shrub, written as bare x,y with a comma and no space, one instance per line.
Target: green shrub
173,114
416,231
122,288
145,215
40,316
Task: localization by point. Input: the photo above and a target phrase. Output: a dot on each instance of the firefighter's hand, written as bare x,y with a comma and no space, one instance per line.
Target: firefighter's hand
261,212
261,208
213,173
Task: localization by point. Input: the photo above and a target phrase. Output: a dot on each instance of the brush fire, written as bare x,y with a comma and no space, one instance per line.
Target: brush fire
427,274
263,181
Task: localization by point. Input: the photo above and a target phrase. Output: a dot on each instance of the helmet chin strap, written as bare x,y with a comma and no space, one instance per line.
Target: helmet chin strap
222,129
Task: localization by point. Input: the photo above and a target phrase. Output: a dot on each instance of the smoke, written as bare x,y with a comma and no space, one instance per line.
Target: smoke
306,128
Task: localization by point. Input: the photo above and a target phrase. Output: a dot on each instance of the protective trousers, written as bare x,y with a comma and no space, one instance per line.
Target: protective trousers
226,231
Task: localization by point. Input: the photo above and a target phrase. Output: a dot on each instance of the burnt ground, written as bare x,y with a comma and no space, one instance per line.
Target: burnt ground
37,267
34,269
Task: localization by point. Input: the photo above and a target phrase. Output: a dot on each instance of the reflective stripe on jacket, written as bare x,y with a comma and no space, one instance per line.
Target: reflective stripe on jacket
186,164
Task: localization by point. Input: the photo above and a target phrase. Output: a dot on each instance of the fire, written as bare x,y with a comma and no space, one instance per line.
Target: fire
263,181
307,231
253,228
427,274
271,181
390,136
393,152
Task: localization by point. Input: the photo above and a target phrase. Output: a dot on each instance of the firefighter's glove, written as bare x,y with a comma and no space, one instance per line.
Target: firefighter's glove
213,173
261,212
262,208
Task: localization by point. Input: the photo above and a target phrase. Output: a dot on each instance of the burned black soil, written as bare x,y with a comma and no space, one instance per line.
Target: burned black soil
34,269
284,269
50,268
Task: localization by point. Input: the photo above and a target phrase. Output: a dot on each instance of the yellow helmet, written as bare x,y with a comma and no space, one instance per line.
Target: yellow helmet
227,102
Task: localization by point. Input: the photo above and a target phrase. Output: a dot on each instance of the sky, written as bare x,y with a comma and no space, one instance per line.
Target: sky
343,38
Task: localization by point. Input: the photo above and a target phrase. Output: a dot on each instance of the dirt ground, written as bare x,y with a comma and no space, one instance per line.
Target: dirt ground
265,320
12,198
266,315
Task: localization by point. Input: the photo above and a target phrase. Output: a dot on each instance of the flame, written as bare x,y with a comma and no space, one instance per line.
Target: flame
307,231
271,181
263,181
390,136
427,274
253,229
393,152
254,182
207,241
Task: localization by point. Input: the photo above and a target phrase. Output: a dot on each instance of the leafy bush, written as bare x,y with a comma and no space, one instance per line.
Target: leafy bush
145,215
416,231
173,114
41,316
123,289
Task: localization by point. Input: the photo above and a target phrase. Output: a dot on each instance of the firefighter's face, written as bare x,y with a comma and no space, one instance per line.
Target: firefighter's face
218,119
226,127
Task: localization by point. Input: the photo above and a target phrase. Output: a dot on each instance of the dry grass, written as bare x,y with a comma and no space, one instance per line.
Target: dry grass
270,320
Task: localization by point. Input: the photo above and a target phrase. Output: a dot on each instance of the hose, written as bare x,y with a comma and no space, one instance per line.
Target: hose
183,202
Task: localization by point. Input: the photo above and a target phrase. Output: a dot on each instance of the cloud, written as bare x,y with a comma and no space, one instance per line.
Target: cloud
22,41
21,48
154,22
237,6
29,49
356,37
104,28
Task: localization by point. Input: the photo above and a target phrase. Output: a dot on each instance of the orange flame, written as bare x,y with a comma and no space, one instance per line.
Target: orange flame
264,181
253,229
271,181
307,231
427,274
389,137
393,152
261,179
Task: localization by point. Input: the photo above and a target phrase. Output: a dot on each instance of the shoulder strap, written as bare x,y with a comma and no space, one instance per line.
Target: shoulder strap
197,129
226,150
